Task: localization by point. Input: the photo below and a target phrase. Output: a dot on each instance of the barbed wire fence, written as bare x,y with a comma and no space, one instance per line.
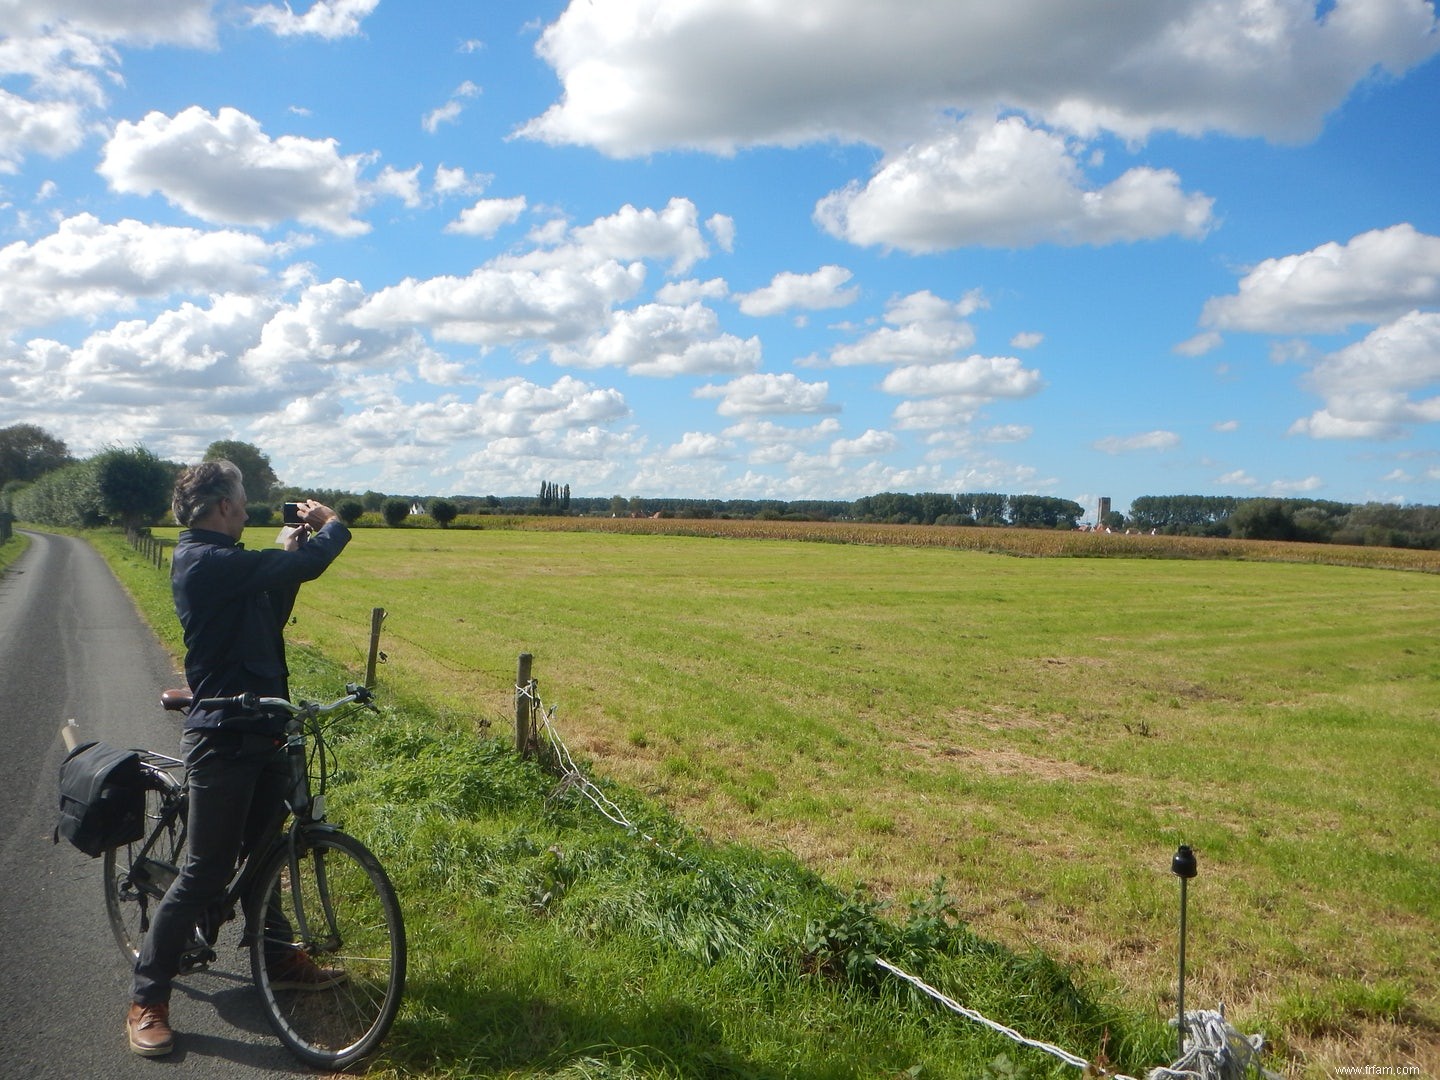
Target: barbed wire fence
152,549
1213,1050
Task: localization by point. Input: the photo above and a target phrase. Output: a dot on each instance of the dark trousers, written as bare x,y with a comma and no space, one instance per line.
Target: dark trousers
238,785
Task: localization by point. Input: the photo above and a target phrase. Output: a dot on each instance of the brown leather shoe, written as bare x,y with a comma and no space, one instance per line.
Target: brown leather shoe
297,971
149,1029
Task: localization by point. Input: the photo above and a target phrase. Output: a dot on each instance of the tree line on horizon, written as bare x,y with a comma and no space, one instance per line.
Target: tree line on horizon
41,482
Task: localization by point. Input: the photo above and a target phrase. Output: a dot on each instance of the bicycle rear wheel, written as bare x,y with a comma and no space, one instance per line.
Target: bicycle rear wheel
137,874
334,915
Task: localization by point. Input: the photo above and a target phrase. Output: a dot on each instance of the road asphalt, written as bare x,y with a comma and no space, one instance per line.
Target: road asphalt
72,645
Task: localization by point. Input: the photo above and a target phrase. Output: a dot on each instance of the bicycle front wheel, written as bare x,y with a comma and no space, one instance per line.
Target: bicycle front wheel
137,874
330,964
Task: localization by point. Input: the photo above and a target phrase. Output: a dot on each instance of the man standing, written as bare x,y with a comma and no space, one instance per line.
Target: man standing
233,605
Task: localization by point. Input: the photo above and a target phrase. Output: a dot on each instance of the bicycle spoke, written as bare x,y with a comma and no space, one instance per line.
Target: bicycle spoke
331,989
136,875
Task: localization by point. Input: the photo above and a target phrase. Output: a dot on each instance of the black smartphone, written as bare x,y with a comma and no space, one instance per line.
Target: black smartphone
292,514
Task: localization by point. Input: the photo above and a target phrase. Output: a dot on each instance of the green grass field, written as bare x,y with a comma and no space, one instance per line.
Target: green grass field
1041,733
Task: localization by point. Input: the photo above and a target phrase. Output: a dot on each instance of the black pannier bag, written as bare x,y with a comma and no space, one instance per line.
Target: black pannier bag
102,798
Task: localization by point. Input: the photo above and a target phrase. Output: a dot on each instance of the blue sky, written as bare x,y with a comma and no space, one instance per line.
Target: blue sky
783,249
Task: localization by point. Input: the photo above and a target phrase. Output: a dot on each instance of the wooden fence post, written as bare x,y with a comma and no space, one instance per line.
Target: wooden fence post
523,710
377,616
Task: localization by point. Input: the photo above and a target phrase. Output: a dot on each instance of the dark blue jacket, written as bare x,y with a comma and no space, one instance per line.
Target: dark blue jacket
233,606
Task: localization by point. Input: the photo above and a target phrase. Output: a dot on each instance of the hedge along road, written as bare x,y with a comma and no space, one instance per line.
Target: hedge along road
73,645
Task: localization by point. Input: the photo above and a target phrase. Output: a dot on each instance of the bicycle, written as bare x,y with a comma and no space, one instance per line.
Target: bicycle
313,888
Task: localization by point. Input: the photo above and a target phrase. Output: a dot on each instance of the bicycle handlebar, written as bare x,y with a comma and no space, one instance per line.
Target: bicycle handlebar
355,693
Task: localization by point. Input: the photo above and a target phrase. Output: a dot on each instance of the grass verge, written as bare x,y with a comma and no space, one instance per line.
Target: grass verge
12,549
1040,732
547,942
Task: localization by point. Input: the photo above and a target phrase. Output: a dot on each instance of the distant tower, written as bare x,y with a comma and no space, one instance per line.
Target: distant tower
1104,511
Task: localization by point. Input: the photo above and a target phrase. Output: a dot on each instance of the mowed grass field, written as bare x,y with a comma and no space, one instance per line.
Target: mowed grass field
1040,732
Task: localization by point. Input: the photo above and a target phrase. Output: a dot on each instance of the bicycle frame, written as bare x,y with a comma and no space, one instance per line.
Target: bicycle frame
321,919
304,809
174,815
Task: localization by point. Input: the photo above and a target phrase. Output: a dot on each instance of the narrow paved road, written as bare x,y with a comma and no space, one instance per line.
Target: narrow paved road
73,645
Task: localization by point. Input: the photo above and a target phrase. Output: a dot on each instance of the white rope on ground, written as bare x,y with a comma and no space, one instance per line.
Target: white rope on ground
571,776
1010,1033
1215,1051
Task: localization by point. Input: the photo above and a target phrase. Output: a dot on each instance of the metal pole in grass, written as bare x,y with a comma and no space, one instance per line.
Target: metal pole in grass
1183,867
522,705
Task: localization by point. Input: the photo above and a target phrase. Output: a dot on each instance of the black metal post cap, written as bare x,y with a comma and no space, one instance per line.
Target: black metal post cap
1183,864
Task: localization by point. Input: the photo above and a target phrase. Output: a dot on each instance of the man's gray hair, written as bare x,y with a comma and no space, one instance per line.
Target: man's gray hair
201,487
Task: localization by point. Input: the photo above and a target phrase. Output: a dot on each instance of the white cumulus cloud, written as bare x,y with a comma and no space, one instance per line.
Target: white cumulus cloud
519,406
144,22
323,18
1381,385
722,228
224,168
825,288
86,268
497,306
871,443
975,377
924,329
665,340
644,75
59,59
1006,184
1376,276
185,357
564,292
644,233
317,330
695,445
488,216
52,128
763,394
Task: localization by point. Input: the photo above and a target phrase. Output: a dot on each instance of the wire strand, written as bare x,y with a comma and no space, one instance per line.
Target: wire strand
572,777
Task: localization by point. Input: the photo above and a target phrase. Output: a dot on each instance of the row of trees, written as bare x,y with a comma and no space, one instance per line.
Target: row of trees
127,487
980,508
928,508
1317,521
41,481
553,497
28,452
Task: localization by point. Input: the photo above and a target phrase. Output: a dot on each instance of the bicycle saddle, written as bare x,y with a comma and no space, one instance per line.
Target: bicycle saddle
176,700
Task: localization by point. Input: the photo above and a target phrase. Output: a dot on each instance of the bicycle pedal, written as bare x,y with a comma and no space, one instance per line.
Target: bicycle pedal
196,959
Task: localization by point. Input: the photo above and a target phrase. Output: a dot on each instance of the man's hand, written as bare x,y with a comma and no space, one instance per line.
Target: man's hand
314,514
